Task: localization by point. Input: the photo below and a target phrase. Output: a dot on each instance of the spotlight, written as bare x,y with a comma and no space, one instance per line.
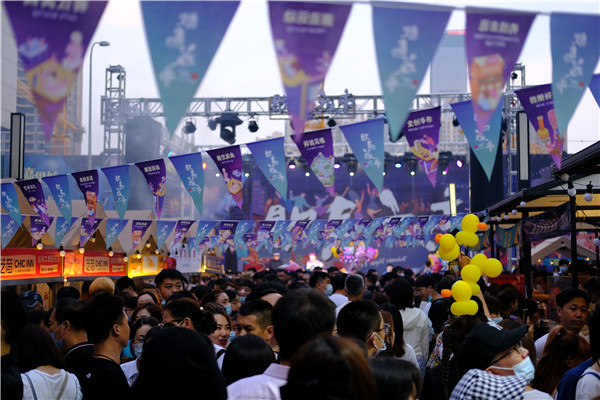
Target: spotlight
306,173
228,122
411,162
292,164
444,161
514,75
125,258
331,123
459,163
336,165
589,196
217,174
398,164
571,190
351,164
190,127
39,245
61,251
212,124
228,135
246,174
110,252
138,255
252,126
455,122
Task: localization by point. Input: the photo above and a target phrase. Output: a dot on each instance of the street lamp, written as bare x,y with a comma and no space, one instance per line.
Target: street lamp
102,43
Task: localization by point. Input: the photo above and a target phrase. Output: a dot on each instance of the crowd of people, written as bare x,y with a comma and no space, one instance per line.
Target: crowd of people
320,334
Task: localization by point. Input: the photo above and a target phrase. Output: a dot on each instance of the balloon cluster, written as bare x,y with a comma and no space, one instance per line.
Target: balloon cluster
470,273
356,255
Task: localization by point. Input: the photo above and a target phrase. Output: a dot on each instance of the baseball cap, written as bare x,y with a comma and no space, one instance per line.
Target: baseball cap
30,298
485,341
276,253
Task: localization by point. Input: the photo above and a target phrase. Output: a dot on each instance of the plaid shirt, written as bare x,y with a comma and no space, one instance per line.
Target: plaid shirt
480,385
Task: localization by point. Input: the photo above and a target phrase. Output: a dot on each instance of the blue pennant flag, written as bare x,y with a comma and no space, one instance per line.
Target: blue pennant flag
59,187
61,227
189,168
9,228
203,229
10,202
163,230
114,227
270,158
118,179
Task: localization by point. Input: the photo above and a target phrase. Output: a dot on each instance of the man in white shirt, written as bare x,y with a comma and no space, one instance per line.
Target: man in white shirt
297,317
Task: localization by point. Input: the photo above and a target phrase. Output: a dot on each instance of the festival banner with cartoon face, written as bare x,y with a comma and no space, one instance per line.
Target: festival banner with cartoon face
422,130
575,47
87,181
38,228
270,158
229,164
539,107
406,38
181,229
61,227
484,145
494,40
183,37
9,228
34,193
59,187
189,168
88,227
10,201
203,229
366,140
163,230
156,175
138,229
305,36
118,179
52,39
317,149
114,227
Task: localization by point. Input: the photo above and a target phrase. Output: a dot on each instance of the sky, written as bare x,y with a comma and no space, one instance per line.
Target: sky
245,64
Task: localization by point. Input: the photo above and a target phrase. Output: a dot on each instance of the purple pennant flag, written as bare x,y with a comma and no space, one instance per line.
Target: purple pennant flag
317,149
297,231
38,228
181,229
305,36
229,164
539,107
87,181
422,130
494,42
34,193
156,175
88,227
138,229
227,233
52,38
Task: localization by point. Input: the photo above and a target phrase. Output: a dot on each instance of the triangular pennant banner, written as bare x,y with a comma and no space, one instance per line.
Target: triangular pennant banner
181,229
539,107
203,229
595,87
10,201
405,40
118,179
34,193
52,38
114,227
9,228
494,42
484,145
138,229
183,37
38,228
229,164
190,170
163,230
305,36
156,175
61,227
88,227
575,47
227,233
297,231
366,140
270,158
88,183
317,149
59,187
263,235
422,130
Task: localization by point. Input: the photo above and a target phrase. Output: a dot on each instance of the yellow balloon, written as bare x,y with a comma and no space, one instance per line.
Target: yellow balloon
447,242
461,238
470,273
474,288
492,267
471,239
479,259
470,223
334,252
468,307
461,291
450,255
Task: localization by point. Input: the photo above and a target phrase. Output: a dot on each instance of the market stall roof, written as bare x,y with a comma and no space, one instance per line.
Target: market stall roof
581,169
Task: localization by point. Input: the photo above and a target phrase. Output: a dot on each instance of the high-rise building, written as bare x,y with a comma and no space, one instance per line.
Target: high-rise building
448,73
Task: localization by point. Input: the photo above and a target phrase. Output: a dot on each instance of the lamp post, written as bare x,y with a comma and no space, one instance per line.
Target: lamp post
102,43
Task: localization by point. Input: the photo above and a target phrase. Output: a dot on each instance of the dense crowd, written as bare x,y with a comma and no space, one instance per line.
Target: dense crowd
320,334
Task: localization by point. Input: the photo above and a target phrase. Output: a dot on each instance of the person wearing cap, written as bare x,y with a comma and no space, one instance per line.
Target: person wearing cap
275,262
496,365
32,300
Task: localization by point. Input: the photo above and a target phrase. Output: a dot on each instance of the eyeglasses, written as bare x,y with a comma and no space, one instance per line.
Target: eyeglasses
516,348
174,322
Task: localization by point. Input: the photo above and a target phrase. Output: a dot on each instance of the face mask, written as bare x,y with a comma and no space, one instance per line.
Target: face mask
163,303
383,348
563,270
242,299
329,290
137,349
232,336
429,298
59,343
497,320
525,369
228,309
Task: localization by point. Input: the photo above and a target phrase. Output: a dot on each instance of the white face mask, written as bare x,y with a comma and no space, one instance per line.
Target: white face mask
525,369
384,347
